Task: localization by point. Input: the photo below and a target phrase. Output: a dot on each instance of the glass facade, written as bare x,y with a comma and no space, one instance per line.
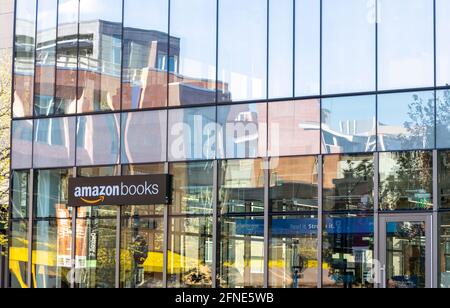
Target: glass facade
291,129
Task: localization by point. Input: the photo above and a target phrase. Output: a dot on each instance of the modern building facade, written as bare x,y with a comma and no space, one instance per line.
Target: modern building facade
308,140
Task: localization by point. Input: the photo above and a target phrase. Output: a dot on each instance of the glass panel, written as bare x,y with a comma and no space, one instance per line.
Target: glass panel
96,253
20,198
307,47
444,251
293,184
151,148
348,47
293,252
190,253
100,55
145,51
406,255
52,250
242,131
294,128
406,121
444,179
142,241
193,188
405,44
348,183
443,119
242,50
98,139
66,58
44,88
51,192
281,46
348,124
348,251
18,254
241,260
143,170
406,181
22,143
241,186
193,75
442,43
24,57
54,142
192,134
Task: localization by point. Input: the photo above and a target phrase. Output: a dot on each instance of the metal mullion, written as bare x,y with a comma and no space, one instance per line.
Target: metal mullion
320,222
73,252
376,206
30,228
266,221
215,236
166,236
118,243
435,222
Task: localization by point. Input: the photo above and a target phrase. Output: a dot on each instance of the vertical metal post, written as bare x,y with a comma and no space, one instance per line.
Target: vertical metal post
166,236
435,238
266,164
73,251
320,222
30,229
376,207
215,233
118,243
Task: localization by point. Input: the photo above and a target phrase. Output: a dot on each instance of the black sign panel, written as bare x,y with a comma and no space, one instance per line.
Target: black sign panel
120,190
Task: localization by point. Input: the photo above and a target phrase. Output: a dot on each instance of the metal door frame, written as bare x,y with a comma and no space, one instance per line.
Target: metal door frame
415,217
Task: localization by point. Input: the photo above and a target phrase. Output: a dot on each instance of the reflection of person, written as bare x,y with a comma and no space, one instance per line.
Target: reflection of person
295,283
139,249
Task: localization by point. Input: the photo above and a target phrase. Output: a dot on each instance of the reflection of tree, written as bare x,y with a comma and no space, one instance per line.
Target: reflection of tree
5,116
358,177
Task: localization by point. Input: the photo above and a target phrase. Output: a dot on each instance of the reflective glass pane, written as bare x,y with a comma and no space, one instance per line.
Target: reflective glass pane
98,140
22,143
142,245
54,142
406,121
18,254
444,179
99,55
51,192
52,250
349,124
24,57
241,260
444,251
348,251
443,119
348,182
44,88
152,126
307,47
193,58
242,131
406,181
293,252
192,188
192,134
293,184
241,186
20,200
405,44
66,58
294,128
242,50
442,43
348,47
96,253
281,46
190,252
145,63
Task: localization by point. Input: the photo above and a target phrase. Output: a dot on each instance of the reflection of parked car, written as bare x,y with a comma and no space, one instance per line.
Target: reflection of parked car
403,282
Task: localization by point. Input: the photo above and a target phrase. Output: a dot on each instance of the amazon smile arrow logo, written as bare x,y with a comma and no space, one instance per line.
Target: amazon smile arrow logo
93,202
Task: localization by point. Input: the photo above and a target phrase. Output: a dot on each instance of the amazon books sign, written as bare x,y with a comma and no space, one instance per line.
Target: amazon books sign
120,190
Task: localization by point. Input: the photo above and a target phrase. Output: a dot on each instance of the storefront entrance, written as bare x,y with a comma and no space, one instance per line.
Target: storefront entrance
406,251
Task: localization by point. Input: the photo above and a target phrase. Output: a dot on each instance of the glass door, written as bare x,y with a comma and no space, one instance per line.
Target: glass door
405,251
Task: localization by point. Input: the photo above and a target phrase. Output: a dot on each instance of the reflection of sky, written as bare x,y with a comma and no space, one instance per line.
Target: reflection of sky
443,43
359,108
147,14
110,10
47,11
